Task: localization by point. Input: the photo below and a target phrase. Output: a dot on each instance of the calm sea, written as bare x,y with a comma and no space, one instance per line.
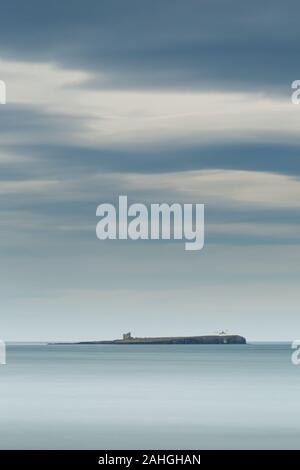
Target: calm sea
149,397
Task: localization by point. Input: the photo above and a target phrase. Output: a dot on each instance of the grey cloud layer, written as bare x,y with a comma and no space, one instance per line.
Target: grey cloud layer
136,43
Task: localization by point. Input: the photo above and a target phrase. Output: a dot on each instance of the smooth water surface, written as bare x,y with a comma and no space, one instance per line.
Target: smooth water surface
167,397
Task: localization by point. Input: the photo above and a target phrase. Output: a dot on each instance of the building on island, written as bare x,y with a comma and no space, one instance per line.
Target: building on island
127,336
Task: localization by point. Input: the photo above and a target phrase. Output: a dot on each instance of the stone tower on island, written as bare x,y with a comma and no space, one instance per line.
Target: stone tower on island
127,336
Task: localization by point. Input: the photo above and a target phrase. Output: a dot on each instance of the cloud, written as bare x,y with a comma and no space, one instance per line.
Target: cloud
77,130
225,188
118,118
167,44
54,127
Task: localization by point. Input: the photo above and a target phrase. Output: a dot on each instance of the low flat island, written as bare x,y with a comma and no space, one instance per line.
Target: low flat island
221,338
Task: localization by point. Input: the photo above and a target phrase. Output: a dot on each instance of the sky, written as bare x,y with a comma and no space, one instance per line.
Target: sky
165,102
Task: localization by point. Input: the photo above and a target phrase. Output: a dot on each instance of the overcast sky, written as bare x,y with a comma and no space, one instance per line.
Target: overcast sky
163,101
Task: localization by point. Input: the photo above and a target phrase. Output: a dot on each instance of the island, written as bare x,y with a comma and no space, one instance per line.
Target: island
220,338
